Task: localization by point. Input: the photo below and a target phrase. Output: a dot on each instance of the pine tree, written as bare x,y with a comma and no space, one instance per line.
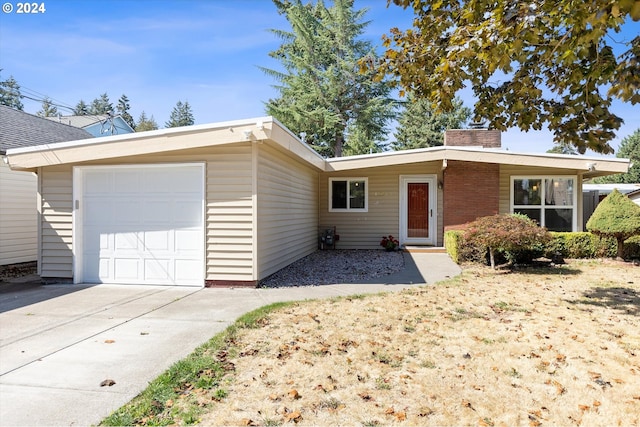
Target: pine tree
180,116
10,94
145,124
101,105
629,149
123,110
322,91
419,126
48,109
82,109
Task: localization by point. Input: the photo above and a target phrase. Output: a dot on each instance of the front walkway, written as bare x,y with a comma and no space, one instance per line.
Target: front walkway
56,350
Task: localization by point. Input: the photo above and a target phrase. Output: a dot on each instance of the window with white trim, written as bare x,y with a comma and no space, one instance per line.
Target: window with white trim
549,200
348,194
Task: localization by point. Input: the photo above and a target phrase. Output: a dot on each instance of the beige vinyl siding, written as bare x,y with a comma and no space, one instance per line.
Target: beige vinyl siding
56,208
507,171
363,230
287,194
228,209
18,216
229,213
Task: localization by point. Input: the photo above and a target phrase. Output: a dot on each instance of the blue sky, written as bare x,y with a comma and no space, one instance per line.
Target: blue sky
158,52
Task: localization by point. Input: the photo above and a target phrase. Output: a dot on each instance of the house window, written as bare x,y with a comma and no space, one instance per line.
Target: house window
348,194
550,201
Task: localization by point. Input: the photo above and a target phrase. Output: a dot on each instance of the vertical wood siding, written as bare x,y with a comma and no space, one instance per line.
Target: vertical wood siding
18,216
363,230
287,194
56,258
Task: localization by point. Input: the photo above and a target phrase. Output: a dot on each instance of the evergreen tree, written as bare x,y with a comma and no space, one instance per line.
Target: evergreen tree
82,109
419,126
10,93
616,216
48,109
180,116
563,148
101,105
322,91
145,124
123,110
629,149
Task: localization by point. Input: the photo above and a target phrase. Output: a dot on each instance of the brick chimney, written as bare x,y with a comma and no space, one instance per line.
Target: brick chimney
473,138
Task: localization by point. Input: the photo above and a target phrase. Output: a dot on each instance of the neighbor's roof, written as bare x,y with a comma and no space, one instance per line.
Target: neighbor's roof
88,120
608,188
269,130
20,129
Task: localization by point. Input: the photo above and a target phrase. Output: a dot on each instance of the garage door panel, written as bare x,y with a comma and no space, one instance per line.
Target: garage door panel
127,242
143,225
126,269
155,211
126,182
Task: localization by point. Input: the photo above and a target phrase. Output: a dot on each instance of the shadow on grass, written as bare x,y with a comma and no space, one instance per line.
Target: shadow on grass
545,268
625,300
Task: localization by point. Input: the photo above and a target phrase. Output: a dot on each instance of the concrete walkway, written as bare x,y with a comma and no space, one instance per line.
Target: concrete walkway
58,343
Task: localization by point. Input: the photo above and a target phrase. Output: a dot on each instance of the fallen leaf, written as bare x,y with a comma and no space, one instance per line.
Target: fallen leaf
389,411
107,383
294,394
248,422
109,341
401,416
274,397
584,407
294,416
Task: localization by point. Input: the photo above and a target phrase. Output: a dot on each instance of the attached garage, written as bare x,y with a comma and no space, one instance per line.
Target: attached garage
139,224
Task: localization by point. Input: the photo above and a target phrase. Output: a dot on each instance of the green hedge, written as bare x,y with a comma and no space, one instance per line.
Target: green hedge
567,245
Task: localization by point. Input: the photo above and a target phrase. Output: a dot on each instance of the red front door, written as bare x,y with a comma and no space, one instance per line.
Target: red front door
418,210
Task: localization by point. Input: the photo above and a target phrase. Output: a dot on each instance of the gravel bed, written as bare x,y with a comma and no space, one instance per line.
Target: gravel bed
336,266
11,271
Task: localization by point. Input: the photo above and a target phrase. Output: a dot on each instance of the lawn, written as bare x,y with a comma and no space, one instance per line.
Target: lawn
535,346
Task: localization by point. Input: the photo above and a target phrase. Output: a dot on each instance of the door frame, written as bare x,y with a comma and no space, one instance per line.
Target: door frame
77,217
433,214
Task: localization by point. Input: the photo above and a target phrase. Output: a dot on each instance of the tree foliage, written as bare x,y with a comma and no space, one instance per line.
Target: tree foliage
48,109
123,111
509,234
145,123
629,149
419,126
181,115
101,105
529,63
10,94
616,216
81,109
322,92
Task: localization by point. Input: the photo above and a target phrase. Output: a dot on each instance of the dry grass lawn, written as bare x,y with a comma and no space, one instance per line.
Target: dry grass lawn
534,347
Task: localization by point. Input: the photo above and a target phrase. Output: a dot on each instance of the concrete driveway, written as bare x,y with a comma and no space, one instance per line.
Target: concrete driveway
58,343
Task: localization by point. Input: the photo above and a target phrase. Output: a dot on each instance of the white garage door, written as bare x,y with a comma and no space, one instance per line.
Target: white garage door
140,224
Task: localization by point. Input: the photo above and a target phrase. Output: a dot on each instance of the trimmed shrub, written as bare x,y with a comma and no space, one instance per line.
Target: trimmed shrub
517,237
618,217
453,243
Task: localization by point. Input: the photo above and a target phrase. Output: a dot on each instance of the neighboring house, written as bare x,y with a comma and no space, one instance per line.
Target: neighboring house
594,193
18,190
234,202
97,125
634,196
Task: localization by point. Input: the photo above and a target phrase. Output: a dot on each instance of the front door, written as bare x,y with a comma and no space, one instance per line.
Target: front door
417,210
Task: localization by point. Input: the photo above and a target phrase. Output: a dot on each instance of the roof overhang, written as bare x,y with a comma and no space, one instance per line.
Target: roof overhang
268,129
589,167
182,138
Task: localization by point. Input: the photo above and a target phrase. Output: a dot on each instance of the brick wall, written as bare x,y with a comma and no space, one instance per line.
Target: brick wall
471,190
473,138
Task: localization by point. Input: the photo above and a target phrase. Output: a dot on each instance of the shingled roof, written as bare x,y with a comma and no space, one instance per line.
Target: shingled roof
20,129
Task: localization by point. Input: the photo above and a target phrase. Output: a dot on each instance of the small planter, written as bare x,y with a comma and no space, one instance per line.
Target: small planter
389,243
